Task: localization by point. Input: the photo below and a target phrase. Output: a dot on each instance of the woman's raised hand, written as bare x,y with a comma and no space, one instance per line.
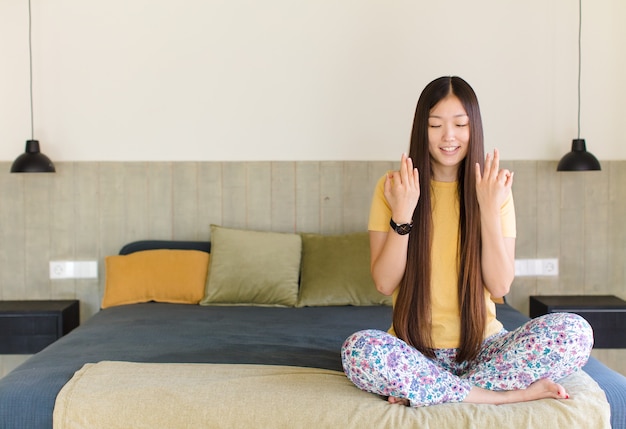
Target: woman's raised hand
402,191
492,185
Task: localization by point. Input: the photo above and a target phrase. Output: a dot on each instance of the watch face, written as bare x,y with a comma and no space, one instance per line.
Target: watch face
401,229
404,229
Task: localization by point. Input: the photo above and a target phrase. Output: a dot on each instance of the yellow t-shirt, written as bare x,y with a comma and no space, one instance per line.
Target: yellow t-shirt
446,322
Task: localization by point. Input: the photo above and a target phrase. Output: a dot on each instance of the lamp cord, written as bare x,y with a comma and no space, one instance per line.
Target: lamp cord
30,56
580,21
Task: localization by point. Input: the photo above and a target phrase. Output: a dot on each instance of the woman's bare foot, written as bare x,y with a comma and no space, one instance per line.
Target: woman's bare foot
400,401
540,389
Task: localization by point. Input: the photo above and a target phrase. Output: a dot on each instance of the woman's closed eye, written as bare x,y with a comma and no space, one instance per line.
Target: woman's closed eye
457,125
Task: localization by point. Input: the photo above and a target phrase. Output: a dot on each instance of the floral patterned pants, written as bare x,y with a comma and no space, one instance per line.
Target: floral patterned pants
551,346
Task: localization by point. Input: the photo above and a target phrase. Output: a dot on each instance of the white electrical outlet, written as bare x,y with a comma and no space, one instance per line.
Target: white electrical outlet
58,270
550,267
536,267
73,269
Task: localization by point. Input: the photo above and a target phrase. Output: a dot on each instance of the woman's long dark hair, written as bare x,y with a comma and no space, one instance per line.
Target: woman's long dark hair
412,310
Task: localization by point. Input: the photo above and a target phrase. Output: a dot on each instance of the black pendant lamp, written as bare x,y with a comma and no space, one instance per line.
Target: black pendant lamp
32,160
579,159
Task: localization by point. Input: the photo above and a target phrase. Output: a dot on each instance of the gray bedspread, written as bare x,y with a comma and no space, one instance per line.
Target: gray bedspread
170,333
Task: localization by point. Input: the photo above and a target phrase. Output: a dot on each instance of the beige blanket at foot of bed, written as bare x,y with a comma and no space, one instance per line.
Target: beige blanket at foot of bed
148,395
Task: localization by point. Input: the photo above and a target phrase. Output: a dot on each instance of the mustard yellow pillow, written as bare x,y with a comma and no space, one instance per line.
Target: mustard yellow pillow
162,275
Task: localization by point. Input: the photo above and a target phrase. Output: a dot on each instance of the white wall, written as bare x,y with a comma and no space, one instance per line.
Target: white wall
303,79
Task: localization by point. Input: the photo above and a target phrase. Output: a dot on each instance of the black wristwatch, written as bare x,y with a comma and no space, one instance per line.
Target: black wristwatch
401,229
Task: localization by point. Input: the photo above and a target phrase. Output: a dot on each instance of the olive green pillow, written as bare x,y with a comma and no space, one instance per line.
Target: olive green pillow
336,271
253,268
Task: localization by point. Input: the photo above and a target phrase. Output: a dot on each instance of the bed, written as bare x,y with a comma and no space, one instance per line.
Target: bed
217,364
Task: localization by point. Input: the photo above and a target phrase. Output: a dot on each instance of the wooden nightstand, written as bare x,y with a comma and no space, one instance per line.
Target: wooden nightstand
605,313
26,327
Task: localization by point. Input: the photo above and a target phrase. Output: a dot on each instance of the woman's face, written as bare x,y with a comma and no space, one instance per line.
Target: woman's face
448,138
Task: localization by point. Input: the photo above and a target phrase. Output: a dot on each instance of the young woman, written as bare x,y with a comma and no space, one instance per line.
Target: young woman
442,239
